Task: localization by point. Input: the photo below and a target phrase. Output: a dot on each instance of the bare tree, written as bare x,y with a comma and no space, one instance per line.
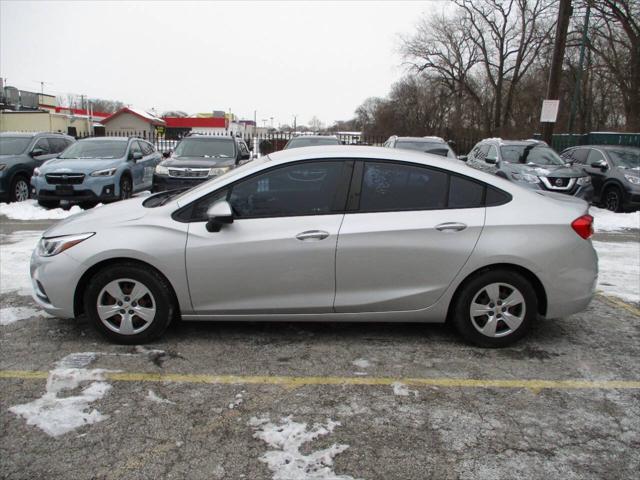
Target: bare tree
315,124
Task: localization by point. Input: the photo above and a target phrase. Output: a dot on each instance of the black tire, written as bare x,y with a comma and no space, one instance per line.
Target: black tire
49,203
162,296
18,185
612,199
126,187
461,309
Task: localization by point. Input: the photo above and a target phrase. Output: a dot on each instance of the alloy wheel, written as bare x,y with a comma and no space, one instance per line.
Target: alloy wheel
497,310
21,190
612,200
126,306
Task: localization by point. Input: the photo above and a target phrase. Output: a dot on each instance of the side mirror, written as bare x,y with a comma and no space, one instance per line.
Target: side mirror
36,152
135,156
462,158
219,214
491,160
166,154
601,164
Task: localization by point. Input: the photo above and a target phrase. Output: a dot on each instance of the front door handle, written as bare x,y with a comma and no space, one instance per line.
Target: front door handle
312,235
451,227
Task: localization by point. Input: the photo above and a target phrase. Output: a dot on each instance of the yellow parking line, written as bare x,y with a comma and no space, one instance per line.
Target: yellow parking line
293,382
619,303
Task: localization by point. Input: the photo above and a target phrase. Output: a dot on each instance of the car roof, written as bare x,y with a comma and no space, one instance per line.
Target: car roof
113,139
610,147
422,139
33,134
313,136
210,137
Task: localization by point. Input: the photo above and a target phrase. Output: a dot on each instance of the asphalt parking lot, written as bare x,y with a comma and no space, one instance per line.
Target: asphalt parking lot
327,401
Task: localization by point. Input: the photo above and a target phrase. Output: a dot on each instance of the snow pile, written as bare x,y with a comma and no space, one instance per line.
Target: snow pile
13,314
153,397
57,414
15,253
30,210
285,460
619,269
608,221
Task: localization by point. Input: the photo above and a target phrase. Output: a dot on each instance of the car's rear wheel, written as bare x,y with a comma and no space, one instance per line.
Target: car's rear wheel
613,199
129,303
495,308
19,189
49,203
126,187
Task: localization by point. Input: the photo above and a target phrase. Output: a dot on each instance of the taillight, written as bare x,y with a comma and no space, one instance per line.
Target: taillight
583,226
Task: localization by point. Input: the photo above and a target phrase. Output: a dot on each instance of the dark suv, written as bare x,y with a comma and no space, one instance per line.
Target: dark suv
614,171
20,153
532,164
198,158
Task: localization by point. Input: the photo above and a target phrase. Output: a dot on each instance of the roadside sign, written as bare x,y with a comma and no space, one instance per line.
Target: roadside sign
549,112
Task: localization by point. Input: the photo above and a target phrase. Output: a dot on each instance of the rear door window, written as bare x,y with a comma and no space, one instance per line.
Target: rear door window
465,193
393,186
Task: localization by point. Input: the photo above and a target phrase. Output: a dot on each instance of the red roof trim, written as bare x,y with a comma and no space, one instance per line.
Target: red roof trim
126,110
195,122
77,111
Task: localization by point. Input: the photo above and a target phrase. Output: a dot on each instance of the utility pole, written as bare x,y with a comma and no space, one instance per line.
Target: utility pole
555,74
295,128
576,90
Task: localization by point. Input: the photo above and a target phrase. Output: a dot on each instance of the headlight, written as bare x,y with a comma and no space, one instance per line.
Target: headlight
48,247
108,172
525,177
632,179
584,181
36,172
162,170
3,166
216,172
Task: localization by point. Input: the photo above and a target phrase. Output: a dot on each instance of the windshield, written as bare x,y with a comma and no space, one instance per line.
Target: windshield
96,149
13,145
530,154
625,158
312,141
437,148
206,148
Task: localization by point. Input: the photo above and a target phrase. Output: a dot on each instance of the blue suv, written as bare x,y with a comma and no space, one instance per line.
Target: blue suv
99,169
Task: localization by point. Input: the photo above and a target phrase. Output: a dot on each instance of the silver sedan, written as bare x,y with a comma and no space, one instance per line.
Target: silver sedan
325,234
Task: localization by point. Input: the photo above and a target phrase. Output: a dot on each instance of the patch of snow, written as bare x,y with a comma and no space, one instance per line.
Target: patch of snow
30,210
619,269
361,363
237,401
55,414
285,460
608,221
402,390
14,314
153,397
15,252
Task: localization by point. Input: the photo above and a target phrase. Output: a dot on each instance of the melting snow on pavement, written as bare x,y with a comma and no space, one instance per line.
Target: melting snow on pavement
361,363
30,210
153,397
607,221
286,438
15,254
60,410
401,390
13,314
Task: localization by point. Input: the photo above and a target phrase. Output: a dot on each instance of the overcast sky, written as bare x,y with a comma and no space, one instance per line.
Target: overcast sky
279,58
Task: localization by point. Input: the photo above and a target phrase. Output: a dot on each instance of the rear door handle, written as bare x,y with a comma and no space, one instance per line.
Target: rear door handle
451,227
312,235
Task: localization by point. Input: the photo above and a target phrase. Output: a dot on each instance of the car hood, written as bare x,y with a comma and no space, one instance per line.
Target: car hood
78,165
99,217
198,162
547,170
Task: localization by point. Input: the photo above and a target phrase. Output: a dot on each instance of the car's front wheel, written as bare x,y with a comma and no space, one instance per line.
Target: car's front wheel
126,187
495,308
129,303
613,199
19,189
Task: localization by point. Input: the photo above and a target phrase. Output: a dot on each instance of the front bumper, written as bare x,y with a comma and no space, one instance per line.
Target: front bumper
585,192
165,182
54,280
93,189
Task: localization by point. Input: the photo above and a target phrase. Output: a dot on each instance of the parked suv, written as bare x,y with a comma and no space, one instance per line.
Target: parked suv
99,169
614,171
434,145
198,158
532,164
20,153
311,141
